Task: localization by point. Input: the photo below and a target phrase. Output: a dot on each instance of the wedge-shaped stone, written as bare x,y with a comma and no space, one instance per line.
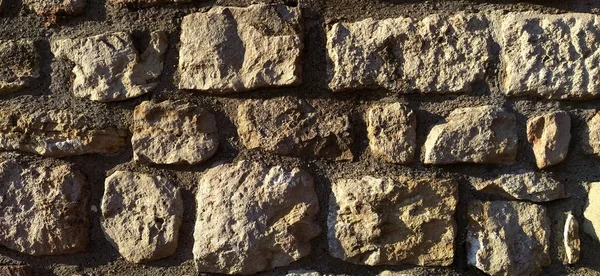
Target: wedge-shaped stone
484,134
141,215
591,136
550,135
591,223
552,56
571,240
55,133
173,133
392,132
253,218
508,237
533,186
392,221
439,54
108,67
55,7
43,207
19,64
230,49
289,126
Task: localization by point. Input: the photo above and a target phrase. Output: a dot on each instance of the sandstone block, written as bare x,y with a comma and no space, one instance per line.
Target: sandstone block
55,7
571,239
289,126
591,223
508,237
43,207
19,64
591,136
439,54
551,56
108,67
550,135
532,186
173,133
393,221
484,134
253,218
141,215
391,129
230,49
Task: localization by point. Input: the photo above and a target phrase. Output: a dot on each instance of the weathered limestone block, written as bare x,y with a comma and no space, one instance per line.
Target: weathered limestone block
14,270
533,186
508,237
55,133
550,135
571,239
591,223
392,221
19,64
391,129
591,137
108,67
55,7
439,54
141,215
484,134
173,133
230,49
43,207
551,56
289,126
253,218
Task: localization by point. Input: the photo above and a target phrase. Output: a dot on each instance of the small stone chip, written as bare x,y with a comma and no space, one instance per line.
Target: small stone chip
550,135
392,132
571,240
19,65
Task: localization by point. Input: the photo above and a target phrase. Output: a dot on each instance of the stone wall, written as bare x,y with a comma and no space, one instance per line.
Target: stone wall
320,137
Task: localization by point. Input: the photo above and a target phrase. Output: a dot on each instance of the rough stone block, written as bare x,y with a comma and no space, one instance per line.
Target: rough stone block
391,129
591,223
550,135
591,136
55,7
19,64
533,186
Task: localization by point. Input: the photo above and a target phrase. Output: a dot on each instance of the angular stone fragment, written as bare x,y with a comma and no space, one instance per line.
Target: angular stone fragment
393,221
571,239
289,126
523,185
551,56
55,133
147,3
43,207
392,132
14,270
141,215
19,64
439,54
302,272
230,49
253,218
591,137
484,134
173,133
108,67
550,135
591,224
55,7
508,237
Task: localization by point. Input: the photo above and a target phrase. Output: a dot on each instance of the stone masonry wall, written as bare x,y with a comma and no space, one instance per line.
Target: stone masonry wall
311,137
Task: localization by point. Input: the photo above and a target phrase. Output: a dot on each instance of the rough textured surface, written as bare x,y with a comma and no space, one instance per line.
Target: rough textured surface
230,49
252,218
552,56
508,237
108,67
550,135
484,134
19,64
392,132
571,240
147,3
55,7
438,54
591,136
533,186
173,133
14,270
141,215
288,126
591,223
55,133
43,207
392,221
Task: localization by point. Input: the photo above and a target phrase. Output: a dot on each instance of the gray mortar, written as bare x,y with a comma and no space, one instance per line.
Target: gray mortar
52,90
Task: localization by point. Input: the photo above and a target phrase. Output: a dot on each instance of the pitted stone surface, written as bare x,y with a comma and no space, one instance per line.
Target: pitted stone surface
484,134
173,133
571,240
43,207
551,56
230,49
393,221
533,186
55,7
289,126
391,129
508,237
19,64
591,137
439,54
108,67
14,270
141,215
550,135
55,133
591,223
253,218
